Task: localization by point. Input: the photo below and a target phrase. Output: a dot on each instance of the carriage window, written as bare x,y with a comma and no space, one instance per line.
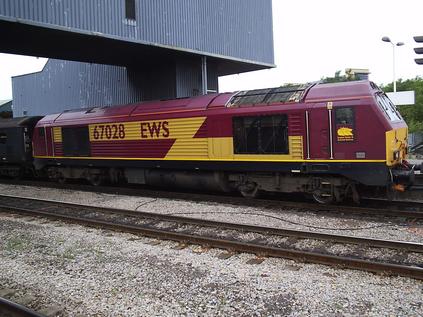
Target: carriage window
344,116
76,141
3,138
261,135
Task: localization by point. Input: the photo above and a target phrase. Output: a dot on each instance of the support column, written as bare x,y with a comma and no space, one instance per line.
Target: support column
204,85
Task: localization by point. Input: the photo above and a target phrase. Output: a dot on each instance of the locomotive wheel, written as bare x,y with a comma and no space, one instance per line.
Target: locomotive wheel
19,174
96,180
323,197
60,179
250,193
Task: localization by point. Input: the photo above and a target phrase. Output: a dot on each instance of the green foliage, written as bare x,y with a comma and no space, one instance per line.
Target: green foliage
338,78
413,114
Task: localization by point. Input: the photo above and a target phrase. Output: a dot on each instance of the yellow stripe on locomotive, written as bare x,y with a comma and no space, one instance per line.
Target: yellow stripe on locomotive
184,128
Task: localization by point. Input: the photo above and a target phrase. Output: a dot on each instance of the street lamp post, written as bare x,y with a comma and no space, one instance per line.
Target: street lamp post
387,39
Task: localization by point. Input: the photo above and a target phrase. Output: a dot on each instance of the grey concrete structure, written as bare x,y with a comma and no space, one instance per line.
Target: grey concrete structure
162,48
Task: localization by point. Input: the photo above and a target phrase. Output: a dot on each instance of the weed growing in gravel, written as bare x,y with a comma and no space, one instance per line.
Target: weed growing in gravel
16,244
114,291
61,241
69,254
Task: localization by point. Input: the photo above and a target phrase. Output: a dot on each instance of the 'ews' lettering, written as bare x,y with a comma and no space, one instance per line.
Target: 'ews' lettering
150,130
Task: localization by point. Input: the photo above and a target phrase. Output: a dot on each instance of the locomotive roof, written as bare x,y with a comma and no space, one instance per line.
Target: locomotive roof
284,94
343,90
289,94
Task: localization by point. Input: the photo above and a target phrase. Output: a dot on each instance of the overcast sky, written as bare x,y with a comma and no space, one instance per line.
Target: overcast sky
313,39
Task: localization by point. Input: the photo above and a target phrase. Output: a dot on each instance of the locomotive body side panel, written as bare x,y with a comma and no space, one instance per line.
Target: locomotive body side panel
39,142
193,134
159,139
358,134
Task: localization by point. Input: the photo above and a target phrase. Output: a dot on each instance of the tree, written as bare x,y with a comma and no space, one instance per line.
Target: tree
413,114
338,78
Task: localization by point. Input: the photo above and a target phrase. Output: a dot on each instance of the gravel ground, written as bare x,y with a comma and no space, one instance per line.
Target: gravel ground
88,272
283,218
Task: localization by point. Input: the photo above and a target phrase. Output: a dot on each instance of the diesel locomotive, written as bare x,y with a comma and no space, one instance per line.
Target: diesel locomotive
326,140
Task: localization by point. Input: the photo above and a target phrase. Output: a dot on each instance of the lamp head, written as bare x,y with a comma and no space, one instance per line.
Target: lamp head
386,39
400,44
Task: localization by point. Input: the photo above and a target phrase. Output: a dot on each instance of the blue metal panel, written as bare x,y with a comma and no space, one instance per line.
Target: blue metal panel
235,29
188,78
65,85
223,29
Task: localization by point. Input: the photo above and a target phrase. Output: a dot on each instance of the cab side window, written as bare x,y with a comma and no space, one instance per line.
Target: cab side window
345,124
345,116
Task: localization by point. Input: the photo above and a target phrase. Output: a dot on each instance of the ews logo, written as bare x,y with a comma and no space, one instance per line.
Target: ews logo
154,130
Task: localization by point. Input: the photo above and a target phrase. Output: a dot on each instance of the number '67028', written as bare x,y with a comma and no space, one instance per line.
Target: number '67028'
109,132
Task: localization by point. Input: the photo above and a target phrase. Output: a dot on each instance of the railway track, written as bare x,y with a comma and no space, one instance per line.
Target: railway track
359,253
12,309
371,207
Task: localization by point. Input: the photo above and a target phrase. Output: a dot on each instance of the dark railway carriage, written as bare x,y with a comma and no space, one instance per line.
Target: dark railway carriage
15,145
323,139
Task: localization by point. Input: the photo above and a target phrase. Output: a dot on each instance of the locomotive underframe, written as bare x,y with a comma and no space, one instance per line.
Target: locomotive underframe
370,174
325,181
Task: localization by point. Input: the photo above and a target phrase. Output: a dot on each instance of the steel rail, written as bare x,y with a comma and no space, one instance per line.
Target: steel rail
235,200
9,308
410,205
370,242
262,250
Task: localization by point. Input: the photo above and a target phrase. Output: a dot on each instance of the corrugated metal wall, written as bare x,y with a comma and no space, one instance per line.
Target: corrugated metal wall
240,29
237,29
188,77
64,85
68,85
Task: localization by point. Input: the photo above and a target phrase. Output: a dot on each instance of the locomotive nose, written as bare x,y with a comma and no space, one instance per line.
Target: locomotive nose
396,146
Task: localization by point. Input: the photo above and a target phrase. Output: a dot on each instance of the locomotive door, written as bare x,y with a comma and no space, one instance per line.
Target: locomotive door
49,141
318,131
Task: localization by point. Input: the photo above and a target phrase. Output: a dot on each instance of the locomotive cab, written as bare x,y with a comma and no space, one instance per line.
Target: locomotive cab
401,173
355,131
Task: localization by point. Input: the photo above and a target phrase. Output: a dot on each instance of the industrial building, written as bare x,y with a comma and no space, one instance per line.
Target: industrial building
107,52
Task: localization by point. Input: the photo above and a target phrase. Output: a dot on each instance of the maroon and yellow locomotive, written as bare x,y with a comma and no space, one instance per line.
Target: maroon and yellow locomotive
328,140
